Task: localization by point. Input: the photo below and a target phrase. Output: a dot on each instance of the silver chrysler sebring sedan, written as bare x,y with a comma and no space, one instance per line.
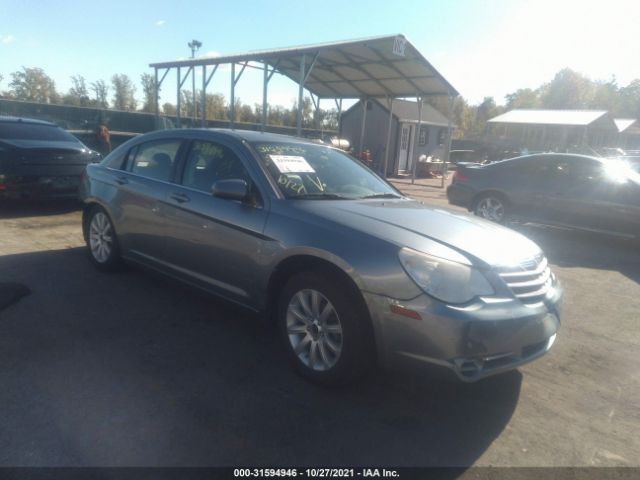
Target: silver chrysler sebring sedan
352,272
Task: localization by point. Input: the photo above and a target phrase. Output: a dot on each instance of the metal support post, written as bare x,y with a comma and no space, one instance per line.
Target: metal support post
300,94
447,152
203,98
388,144
415,142
193,94
179,84
362,126
265,83
339,107
232,105
155,99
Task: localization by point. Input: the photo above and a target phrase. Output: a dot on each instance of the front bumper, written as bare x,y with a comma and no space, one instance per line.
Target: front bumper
481,339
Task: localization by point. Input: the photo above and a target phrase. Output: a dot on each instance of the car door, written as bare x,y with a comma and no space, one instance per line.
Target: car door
523,180
142,189
214,242
578,193
623,196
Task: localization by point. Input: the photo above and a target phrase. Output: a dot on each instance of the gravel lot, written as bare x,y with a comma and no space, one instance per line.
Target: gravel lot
132,369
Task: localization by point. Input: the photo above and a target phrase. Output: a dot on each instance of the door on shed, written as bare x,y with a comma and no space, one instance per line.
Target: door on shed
405,141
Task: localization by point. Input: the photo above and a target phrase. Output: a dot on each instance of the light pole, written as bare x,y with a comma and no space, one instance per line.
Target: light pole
194,45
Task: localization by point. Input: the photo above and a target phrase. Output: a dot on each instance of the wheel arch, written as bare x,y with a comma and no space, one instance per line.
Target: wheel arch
87,208
302,262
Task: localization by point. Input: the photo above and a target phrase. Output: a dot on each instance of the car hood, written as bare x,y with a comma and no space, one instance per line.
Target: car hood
415,225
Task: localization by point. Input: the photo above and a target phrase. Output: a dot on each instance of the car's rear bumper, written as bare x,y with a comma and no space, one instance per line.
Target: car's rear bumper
474,341
459,194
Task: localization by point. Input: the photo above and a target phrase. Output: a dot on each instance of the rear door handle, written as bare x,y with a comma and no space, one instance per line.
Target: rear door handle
122,180
179,197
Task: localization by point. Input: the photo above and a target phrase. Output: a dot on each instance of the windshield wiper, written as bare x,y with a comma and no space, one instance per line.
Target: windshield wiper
320,196
382,195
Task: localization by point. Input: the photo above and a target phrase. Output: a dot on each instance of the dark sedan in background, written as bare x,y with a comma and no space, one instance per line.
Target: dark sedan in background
568,190
40,159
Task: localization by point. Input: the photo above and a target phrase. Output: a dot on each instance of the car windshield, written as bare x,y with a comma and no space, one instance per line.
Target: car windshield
304,171
31,131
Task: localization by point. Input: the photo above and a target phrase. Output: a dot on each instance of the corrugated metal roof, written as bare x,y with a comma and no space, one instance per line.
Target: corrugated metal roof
372,67
406,110
550,117
624,123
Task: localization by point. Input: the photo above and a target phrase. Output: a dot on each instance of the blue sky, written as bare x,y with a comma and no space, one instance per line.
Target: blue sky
484,48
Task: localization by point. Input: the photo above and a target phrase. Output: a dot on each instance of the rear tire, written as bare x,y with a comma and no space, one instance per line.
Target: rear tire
102,243
324,329
491,206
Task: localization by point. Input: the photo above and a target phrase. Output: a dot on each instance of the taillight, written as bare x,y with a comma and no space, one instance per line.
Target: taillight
458,176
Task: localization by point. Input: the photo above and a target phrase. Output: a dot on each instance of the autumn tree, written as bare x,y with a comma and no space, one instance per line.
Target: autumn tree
149,92
169,109
33,85
523,98
100,92
78,94
123,92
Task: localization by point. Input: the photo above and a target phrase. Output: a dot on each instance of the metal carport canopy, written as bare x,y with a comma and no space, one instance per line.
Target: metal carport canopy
386,66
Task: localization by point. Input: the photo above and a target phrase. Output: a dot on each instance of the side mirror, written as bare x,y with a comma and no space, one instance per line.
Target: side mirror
232,189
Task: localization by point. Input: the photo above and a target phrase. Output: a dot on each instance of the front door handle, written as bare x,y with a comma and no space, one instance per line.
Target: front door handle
180,197
122,180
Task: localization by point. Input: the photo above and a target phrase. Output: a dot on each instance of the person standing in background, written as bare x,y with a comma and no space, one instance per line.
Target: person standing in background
102,141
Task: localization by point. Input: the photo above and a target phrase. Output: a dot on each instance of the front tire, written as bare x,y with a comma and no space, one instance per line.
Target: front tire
101,240
491,207
324,329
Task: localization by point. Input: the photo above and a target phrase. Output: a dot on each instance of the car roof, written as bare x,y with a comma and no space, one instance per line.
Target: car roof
549,155
253,136
32,121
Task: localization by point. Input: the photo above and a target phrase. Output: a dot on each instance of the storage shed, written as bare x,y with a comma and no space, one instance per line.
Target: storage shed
410,137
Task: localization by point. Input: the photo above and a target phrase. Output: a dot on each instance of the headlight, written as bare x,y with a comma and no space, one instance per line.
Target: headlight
443,279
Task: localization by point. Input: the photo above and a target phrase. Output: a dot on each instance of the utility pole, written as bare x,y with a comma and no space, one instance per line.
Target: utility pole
194,45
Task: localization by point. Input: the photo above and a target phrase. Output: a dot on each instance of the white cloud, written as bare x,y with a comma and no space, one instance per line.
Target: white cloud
7,39
161,23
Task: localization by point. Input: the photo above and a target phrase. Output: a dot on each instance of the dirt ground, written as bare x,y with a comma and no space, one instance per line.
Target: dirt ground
132,369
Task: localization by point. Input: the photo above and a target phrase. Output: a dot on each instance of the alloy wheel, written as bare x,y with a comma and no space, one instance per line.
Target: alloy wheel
490,208
100,237
314,330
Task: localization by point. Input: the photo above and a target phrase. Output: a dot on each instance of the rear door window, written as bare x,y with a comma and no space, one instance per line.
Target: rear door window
155,160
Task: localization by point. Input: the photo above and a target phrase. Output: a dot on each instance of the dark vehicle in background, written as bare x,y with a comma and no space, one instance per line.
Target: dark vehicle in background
40,159
568,190
353,272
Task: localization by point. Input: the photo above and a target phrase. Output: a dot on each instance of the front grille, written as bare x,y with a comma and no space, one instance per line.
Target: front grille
530,281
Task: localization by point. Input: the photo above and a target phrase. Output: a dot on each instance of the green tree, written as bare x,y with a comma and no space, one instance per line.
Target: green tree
215,106
33,85
100,91
629,99
169,109
523,98
149,91
567,90
123,92
78,94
